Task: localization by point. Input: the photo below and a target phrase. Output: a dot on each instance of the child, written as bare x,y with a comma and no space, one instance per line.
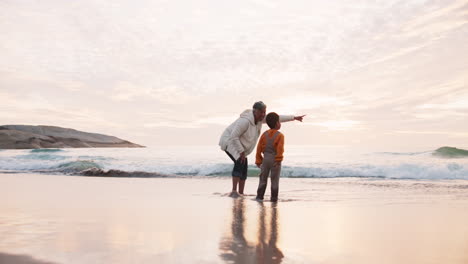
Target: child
271,144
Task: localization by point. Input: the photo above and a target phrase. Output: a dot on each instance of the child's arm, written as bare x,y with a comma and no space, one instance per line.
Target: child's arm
260,149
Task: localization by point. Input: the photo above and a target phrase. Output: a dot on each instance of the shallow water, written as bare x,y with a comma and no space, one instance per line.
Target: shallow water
52,218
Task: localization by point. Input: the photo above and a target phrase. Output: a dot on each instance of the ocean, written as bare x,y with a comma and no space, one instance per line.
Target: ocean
210,161
172,205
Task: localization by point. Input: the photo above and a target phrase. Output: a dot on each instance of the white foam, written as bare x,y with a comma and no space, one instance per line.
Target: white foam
207,163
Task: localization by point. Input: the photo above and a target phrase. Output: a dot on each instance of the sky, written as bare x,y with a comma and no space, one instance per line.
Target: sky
374,74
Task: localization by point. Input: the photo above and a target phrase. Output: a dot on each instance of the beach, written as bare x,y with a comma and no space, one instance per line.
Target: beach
122,124
75,219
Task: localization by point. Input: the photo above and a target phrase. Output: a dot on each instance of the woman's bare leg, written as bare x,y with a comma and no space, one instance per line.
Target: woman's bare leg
235,180
241,186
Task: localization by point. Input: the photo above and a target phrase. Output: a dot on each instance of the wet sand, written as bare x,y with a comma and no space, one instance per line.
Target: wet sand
68,219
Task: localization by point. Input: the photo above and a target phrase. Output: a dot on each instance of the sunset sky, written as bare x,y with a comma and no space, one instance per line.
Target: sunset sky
379,74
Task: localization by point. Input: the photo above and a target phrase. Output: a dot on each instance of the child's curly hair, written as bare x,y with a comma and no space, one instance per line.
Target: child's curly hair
271,119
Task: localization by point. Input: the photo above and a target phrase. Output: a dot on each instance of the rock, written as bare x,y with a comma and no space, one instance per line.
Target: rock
33,137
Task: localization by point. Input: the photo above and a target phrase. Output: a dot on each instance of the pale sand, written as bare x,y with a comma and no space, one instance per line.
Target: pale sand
68,219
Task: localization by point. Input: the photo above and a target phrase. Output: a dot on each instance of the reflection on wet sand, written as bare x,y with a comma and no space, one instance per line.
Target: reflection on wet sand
235,248
268,251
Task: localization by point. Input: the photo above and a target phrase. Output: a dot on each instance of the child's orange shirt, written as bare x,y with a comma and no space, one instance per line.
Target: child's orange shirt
278,145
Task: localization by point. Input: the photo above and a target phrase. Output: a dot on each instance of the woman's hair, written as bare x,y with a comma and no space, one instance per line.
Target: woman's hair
259,105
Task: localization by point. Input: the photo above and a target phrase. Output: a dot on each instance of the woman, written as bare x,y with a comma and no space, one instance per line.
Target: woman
238,140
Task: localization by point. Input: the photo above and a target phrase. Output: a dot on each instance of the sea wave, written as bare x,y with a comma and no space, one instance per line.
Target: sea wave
77,166
44,156
450,152
110,165
404,153
96,172
396,171
47,150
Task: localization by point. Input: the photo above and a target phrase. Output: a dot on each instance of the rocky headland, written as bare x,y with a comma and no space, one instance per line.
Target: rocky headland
34,137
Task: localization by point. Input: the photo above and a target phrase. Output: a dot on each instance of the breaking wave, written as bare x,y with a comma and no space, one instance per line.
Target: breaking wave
391,165
45,150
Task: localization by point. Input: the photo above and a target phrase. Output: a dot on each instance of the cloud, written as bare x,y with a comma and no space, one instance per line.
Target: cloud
458,104
338,124
126,91
173,124
130,92
194,121
361,65
217,120
296,103
447,133
450,101
397,54
437,22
